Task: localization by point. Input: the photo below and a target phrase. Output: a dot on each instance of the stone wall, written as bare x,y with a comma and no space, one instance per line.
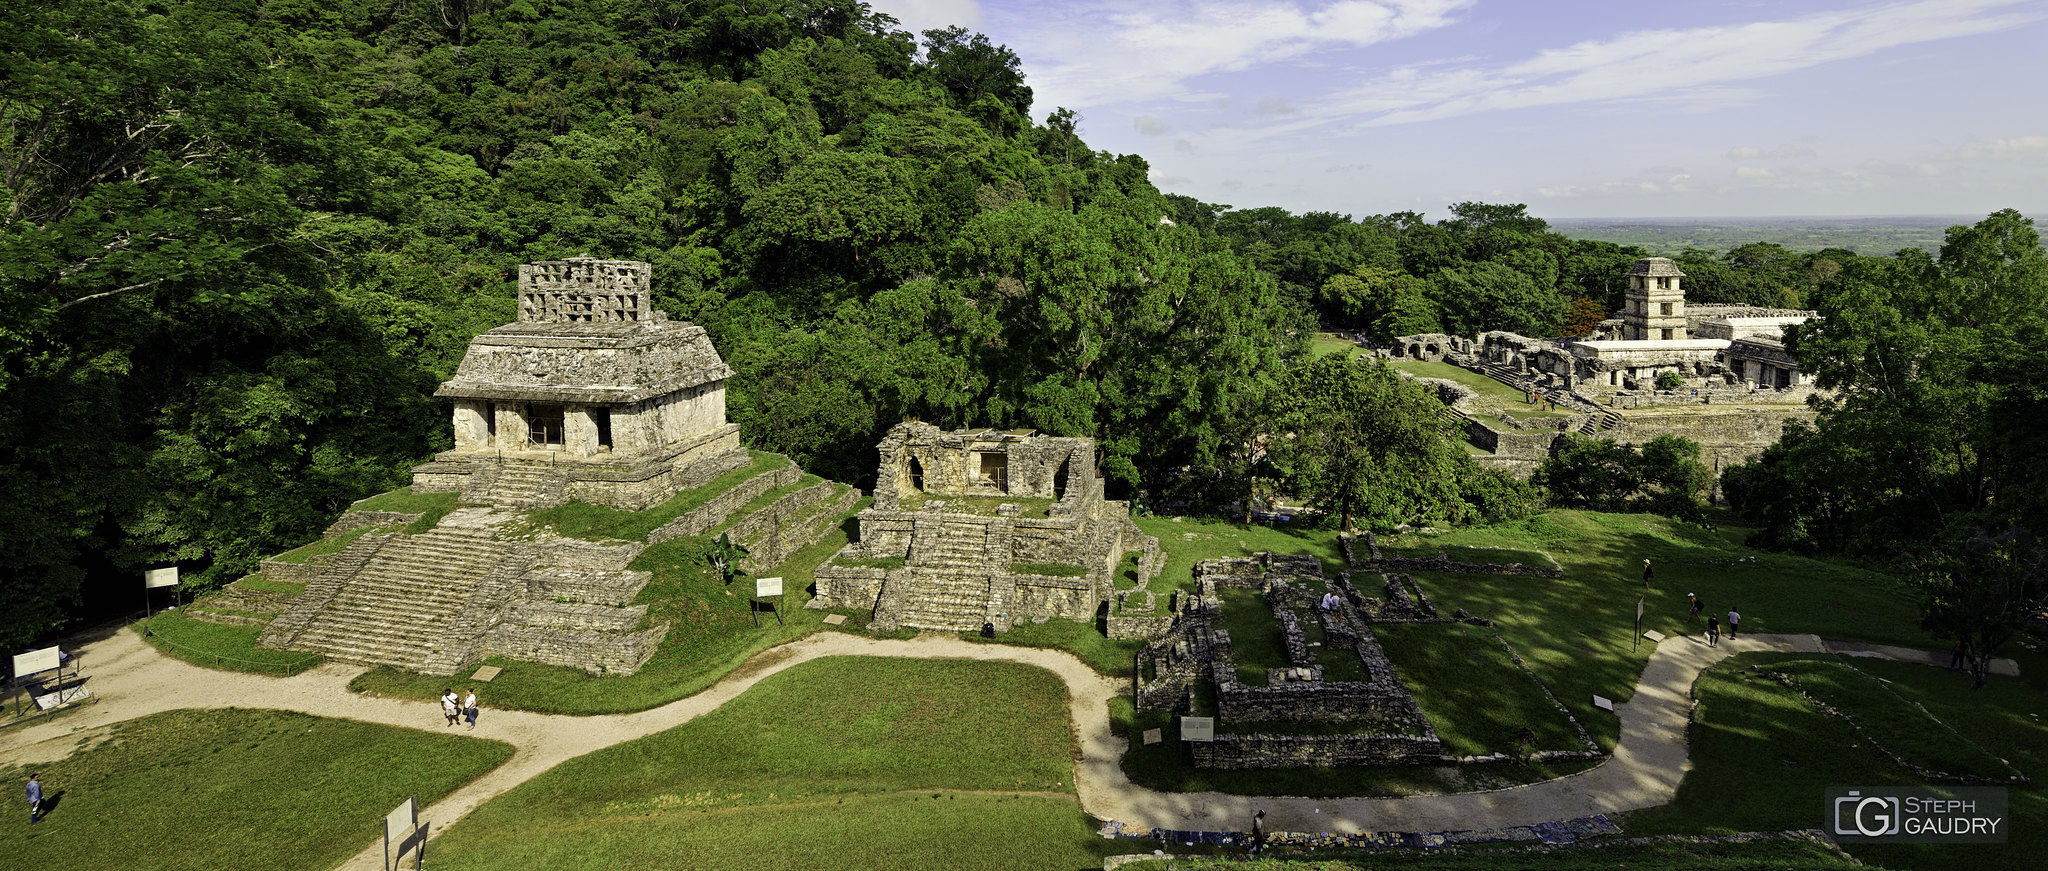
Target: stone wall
1727,436
594,652
1240,752
715,510
352,520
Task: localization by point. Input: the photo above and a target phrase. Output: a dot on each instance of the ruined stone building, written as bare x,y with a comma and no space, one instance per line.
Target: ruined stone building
976,527
591,395
1738,384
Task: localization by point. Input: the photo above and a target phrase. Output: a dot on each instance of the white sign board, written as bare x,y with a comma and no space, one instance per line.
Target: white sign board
1198,728
35,661
399,822
155,578
765,587
1603,703
61,698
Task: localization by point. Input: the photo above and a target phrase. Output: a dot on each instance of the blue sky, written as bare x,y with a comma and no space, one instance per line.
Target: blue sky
1580,108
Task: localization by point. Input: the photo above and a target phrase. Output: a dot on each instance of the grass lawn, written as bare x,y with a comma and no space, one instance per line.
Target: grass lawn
1510,400
1576,632
324,546
1476,698
233,788
1763,757
1327,343
852,763
1189,540
711,631
1083,640
1774,854
218,646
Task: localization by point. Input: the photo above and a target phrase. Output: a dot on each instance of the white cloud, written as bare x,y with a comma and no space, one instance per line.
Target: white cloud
1085,58
1782,152
1149,125
1660,63
918,16
1754,173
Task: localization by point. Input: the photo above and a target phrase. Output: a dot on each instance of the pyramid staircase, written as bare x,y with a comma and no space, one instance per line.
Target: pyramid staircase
516,485
419,602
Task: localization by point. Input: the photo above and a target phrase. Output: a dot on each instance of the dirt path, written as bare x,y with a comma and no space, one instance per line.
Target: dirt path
133,680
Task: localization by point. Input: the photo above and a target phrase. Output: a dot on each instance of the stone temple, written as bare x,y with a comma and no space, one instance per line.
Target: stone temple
591,395
995,527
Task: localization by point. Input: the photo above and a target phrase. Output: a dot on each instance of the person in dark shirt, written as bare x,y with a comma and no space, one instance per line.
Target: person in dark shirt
35,799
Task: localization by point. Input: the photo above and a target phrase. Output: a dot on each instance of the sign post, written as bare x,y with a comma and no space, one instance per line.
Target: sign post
34,662
154,578
767,591
401,830
1632,642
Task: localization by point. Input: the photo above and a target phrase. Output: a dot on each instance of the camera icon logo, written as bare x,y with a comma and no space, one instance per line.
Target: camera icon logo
1871,816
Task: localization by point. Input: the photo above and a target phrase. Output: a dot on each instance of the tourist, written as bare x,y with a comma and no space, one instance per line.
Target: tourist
1713,632
1734,620
469,707
35,798
1259,833
1330,602
1956,655
1647,574
1692,610
448,708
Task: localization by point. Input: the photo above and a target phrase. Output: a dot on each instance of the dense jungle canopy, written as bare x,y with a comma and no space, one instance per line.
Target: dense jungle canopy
244,242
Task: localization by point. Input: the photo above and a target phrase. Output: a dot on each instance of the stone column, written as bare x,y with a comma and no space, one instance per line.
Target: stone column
472,430
512,435
579,431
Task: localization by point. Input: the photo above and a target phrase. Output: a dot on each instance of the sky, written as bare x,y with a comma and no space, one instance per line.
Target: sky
1578,108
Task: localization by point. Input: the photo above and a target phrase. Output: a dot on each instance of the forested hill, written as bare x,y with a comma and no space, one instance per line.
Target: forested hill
245,241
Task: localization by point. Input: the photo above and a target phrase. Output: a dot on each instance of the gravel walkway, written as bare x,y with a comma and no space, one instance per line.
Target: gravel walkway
133,680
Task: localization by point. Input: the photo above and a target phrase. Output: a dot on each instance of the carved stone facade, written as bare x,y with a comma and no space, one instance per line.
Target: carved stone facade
590,395
977,527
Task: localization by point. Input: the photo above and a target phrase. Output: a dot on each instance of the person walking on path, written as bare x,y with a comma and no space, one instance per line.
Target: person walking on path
1692,610
1713,632
1734,620
1259,833
1647,574
35,798
448,708
469,708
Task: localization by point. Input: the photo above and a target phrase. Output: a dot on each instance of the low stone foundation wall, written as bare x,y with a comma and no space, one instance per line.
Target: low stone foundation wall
1129,628
715,510
594,652
1239,752
352,520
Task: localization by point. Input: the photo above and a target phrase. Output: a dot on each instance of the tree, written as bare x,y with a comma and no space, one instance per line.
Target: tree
1981,590
1492,296
984,80
1365,445
1663,476
1584,317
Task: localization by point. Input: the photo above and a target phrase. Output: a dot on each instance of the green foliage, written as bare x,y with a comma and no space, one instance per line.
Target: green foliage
1670,380
214,645
1664,476
275,789
1981,590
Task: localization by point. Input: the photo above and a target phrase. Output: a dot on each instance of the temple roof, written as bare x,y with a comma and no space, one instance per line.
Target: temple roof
1656,266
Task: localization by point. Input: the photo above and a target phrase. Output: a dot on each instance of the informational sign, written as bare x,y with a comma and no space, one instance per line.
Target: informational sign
35,661
765,587
61,697
1639,612
1153,736
1603,703
1198,728
399,823
1654,635
155,578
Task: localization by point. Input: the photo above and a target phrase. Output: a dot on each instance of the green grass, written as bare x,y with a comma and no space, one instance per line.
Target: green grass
211,789
1763,757
598,523
324,546
1773,854
1889,721
1256,641
1468,554
1576,632
231,648
837,763
1510,400
711,631
1325,343
1110,657
430,506
1187,541
1476,698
